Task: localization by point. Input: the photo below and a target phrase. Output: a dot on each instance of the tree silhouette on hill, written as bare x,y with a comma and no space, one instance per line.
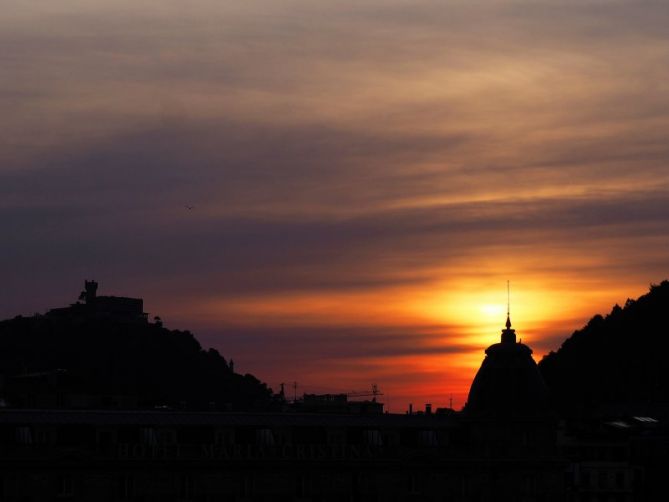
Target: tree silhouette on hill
619,359
104,355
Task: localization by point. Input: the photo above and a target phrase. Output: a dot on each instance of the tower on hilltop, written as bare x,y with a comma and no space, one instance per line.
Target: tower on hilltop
90,291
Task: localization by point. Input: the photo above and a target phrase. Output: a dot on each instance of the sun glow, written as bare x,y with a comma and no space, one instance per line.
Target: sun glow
492,310
479,309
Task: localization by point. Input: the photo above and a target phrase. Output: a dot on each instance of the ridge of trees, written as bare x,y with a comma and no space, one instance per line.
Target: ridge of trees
615,359
155,365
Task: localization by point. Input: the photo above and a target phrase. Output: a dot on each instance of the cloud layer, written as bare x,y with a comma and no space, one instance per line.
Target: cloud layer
364,177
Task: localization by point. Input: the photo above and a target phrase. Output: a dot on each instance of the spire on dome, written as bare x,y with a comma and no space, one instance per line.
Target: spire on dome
508,305
508,334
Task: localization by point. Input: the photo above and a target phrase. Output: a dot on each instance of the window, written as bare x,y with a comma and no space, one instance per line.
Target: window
65,486
148,436
264,437
464,486
601,480
247,487
126,487
620,479
24,435
529,485
42,436
336,437
300,486
186,488
412,484
166,436
373,438
224,436
104,438
427,438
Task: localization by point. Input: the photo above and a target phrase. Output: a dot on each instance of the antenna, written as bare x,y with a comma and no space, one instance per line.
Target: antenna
508,298
365,393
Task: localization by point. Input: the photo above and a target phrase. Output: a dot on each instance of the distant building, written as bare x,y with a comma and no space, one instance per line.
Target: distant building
337,403
116,308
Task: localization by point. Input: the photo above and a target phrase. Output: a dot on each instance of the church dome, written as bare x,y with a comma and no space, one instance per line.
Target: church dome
508,382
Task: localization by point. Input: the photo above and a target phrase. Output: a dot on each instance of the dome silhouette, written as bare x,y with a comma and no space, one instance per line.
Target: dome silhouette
508,382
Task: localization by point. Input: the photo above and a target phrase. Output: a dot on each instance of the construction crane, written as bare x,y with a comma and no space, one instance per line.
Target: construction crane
373,393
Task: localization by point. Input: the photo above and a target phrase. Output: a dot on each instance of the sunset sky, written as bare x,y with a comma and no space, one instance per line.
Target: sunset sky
365,176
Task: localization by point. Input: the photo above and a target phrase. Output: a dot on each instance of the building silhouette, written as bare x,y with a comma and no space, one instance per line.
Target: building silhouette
116,308
508,382
508,444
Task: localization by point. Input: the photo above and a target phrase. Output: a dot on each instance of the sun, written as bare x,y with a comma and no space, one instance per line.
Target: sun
492,310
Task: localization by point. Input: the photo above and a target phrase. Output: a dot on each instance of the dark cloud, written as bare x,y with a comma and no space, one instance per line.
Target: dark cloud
317,343
121,206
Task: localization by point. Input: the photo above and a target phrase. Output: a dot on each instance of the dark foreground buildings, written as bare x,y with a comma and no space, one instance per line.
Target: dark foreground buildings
507,445
182,456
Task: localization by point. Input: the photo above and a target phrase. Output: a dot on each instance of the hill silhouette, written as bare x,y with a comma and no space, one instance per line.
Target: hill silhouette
92,349
615,361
